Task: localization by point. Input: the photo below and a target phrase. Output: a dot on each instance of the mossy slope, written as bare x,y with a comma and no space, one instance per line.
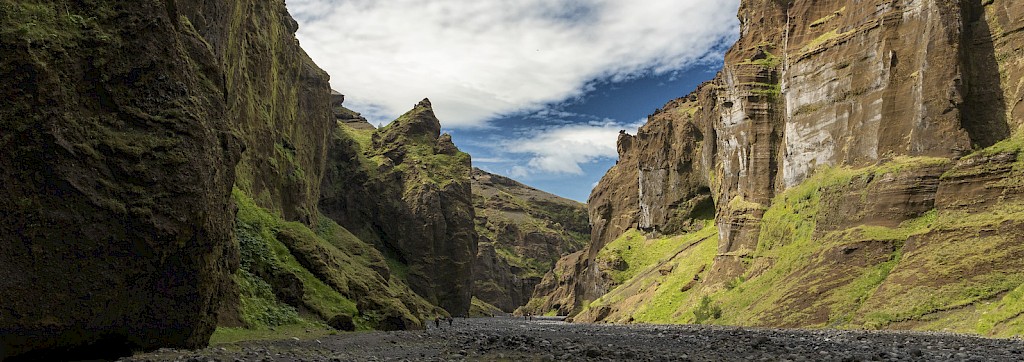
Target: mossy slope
953,265
293,274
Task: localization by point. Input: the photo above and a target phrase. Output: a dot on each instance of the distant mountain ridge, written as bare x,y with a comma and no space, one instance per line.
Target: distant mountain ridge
523,231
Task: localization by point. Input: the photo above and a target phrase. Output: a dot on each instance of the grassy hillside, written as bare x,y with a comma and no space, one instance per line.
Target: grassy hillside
821,264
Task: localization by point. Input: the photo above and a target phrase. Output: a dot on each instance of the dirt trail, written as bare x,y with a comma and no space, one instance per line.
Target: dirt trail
515,339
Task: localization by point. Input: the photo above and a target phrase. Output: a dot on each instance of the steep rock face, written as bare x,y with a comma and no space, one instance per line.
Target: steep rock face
613,208
497,282
659,192
281,107
116,159
406,188
882,98
523,231
121,141
279,101
672,193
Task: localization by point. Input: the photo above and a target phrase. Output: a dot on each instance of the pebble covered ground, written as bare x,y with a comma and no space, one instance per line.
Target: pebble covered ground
516,339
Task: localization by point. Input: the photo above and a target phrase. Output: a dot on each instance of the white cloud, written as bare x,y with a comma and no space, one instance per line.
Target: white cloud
563,149
490,160
476,59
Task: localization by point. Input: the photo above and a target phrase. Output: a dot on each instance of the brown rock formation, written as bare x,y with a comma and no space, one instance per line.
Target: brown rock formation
347,116
811,85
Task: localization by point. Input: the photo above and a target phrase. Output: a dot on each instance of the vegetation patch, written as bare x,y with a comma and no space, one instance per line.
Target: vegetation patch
769,61
265,257
678,290
362,137
258,307
827,18
1004,317
286,267
226,335
706,310
823,39
531,267
954,267
437,169
771,90
662,276
53,26
787,244
480,308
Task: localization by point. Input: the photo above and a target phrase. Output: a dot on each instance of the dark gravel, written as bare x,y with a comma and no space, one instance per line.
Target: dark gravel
514,339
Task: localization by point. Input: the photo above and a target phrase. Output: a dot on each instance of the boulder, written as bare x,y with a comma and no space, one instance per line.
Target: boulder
342,322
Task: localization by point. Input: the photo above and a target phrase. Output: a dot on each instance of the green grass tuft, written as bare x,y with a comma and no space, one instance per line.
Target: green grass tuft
226,335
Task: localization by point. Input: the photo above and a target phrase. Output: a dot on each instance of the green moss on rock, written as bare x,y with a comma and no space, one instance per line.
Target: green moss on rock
322,273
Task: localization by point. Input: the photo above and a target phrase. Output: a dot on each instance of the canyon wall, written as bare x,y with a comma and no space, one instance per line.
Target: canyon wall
843,144
117,222
163,164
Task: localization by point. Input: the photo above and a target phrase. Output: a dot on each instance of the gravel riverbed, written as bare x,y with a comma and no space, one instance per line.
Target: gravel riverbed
515,339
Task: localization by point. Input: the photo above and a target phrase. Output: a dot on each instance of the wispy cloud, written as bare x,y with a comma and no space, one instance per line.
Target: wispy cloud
490,160
476,59
563,149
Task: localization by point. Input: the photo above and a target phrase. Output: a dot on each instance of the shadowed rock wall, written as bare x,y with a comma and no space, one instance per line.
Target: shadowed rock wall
117,160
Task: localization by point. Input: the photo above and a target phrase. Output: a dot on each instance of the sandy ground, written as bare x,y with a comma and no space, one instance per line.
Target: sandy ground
515,339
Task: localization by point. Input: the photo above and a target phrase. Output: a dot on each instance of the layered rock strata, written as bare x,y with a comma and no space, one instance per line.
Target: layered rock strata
811,86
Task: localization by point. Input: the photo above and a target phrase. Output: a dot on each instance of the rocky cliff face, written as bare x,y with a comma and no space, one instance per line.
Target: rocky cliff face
118,172
523,231
126,127
278,100
406,188
889,95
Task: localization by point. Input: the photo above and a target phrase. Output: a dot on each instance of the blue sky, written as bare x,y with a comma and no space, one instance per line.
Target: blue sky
534,89
604,111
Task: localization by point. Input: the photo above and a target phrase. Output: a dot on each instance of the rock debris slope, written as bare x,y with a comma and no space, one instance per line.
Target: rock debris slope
490,339
854,164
